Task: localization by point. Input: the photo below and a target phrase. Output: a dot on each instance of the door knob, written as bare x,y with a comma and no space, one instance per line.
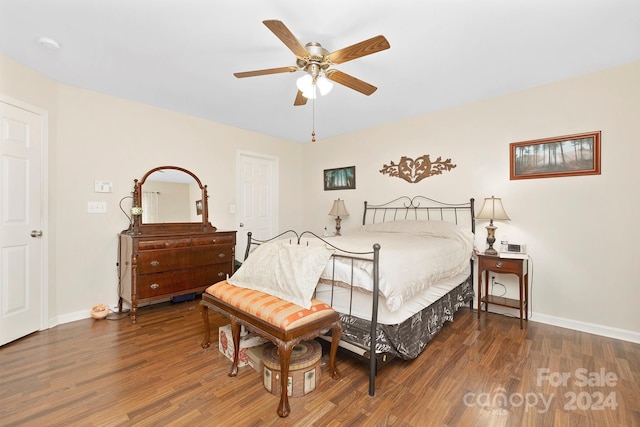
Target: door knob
36,233
242,224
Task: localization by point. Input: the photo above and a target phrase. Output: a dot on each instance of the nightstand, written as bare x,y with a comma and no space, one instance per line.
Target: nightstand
517,266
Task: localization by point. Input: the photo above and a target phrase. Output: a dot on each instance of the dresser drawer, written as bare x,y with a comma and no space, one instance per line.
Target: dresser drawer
215,255
146,245
165,260
216,239
154,285
174,259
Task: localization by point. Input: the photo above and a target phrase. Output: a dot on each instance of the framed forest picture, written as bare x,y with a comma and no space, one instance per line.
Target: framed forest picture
340,178
568,155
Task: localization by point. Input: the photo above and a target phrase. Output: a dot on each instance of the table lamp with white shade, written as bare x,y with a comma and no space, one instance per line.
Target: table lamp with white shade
492,209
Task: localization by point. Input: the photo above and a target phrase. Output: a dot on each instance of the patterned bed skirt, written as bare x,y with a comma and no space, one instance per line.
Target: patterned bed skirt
409,338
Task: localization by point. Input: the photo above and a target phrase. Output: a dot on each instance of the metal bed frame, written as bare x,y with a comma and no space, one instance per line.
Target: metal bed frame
402,208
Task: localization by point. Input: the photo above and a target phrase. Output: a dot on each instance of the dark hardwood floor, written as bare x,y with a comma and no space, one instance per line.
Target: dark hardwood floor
484,372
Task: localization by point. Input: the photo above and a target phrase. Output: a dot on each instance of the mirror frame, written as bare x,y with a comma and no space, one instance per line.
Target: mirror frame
138,227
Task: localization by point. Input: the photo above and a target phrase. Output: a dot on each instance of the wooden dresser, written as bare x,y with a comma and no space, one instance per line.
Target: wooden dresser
170,248
160,266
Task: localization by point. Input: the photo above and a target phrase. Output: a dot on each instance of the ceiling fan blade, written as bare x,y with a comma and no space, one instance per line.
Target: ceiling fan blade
350,82
282,32
364,48
300,100
290,69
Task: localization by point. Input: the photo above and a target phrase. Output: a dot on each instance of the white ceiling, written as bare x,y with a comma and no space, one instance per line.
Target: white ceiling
181,54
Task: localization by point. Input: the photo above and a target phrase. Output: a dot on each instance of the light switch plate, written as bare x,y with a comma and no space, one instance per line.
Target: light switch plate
97,207
103,187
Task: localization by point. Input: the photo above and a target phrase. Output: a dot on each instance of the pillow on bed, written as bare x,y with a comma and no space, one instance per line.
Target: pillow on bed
285,270
435,228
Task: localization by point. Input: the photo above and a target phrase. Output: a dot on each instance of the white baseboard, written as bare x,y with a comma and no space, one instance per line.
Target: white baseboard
576,325
72,317
592,328
86,314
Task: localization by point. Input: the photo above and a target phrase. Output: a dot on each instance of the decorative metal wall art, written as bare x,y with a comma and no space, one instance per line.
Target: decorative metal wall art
416,170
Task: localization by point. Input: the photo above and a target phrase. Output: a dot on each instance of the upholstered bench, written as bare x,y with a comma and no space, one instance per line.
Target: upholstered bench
283,323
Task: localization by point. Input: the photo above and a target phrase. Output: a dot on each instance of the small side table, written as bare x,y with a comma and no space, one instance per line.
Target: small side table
517,266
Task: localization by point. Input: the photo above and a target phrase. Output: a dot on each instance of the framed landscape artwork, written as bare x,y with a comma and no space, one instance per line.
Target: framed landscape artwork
340,178
568,155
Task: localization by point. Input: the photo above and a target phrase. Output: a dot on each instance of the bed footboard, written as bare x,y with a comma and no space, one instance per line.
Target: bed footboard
372,257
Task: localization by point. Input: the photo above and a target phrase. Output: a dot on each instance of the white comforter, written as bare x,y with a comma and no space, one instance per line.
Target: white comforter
414,255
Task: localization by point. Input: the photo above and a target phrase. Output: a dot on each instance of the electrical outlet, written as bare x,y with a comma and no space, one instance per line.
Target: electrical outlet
97,207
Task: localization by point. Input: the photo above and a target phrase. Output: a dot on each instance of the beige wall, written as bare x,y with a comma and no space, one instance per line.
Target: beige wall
579,230
98,137
106,138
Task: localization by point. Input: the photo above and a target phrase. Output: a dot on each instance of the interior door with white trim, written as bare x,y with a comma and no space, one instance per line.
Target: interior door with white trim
21,243
257,198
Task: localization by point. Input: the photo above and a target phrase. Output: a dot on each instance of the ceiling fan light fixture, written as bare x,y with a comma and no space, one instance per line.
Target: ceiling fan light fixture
307,86
310,89
305,83
324,85
311,93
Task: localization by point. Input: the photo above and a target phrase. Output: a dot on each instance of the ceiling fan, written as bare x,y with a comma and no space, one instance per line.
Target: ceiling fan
316,61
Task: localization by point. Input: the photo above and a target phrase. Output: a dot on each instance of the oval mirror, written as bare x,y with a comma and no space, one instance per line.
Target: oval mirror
170,196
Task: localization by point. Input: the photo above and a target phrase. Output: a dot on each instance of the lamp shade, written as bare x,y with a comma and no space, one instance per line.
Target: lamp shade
304,83
310,94
310,86
307,86
324,85
338,208
492,209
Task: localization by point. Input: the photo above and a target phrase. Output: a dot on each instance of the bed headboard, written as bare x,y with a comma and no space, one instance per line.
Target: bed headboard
421,208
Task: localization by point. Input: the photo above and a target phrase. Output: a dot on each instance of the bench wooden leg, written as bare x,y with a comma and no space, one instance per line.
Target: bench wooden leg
235,334
284,350
336,334
206,342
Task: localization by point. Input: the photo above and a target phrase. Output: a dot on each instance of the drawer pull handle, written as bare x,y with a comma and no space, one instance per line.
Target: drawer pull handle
499,264
155,263
155,286
221,274
221,255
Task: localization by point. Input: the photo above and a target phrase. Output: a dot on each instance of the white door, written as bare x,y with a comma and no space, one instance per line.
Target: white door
257,198
21,243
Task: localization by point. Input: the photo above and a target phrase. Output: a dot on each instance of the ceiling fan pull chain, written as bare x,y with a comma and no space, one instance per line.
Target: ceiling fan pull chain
313,122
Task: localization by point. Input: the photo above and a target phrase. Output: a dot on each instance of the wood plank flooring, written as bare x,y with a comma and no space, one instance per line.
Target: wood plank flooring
484,372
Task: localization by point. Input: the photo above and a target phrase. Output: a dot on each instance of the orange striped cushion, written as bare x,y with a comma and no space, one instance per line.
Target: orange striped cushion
280,313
